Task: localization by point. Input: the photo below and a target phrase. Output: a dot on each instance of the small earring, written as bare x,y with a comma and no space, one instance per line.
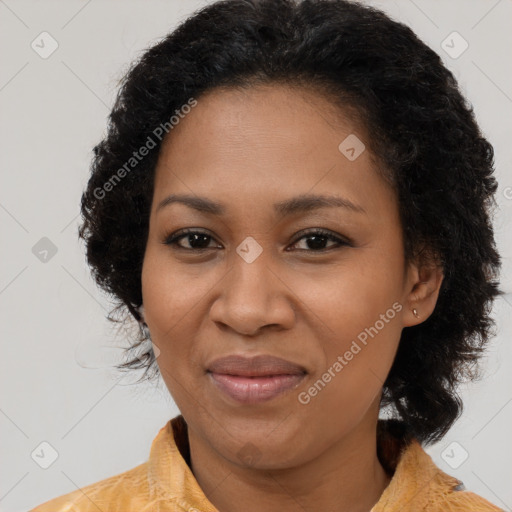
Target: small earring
415,313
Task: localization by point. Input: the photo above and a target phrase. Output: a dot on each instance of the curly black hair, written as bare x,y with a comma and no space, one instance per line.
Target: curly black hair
419,126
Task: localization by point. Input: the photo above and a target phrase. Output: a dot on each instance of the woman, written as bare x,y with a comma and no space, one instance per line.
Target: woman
293,201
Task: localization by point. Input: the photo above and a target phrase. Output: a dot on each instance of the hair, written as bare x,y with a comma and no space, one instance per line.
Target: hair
419,126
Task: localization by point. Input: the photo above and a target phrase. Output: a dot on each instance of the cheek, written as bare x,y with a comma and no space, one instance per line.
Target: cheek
358,304
167,302
170,295
358,358
351,295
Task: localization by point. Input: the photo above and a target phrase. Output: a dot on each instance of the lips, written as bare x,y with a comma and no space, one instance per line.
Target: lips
256,366
256,379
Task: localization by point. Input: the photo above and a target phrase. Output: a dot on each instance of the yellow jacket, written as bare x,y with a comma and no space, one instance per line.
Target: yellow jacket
165,482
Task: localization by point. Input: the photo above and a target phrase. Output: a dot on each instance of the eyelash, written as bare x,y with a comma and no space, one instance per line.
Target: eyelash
173,239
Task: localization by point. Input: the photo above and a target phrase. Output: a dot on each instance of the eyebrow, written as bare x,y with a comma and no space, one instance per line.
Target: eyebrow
299,204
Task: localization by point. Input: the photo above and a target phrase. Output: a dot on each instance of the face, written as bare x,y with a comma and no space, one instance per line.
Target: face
320,285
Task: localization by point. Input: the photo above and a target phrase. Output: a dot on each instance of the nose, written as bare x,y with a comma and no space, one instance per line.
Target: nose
252,297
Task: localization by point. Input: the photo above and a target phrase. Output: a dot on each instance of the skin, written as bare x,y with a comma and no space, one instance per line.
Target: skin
249,149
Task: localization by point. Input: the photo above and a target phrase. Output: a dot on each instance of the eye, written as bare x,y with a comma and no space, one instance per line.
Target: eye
197,240
317,239
200,240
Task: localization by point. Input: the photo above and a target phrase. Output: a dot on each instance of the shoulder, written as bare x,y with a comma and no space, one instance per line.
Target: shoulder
128,490
442,491
461,501
417,483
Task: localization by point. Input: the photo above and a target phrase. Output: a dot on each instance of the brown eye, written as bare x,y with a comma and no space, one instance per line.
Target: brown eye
200,240
196,240
317,239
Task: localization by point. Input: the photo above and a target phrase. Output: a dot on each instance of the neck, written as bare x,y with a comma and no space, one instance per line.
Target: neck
346,477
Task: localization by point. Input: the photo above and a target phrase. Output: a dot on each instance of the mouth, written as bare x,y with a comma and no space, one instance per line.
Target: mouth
255,379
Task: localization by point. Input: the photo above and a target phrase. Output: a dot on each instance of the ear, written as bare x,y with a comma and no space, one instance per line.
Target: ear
423,285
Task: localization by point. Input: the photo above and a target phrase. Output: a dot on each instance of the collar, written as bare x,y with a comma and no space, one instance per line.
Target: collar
414,475
171,481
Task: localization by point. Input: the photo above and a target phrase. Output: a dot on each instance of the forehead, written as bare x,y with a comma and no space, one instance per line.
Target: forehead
263,140
264,121
278,110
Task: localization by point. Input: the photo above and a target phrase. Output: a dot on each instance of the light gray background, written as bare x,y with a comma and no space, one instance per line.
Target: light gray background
57,347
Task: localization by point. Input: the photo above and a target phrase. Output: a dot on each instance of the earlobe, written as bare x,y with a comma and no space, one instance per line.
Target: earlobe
424,292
